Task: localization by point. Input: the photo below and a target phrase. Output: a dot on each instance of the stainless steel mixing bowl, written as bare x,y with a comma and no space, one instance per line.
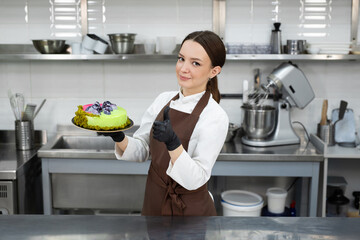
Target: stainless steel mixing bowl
258,121
45,46
122,43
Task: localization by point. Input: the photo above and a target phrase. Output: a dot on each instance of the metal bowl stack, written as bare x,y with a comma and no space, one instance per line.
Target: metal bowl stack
45,46
122,43
258,121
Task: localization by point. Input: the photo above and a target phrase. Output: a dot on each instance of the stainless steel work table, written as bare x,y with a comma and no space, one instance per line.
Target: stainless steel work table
235,159
66,227
11,159
20,175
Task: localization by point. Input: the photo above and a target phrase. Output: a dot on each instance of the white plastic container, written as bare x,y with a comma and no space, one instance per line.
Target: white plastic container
276,198
241,203
166,45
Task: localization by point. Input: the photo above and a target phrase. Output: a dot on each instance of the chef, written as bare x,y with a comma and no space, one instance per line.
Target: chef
183,132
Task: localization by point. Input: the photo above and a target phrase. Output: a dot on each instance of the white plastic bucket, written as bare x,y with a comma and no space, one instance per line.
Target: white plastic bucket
276,198
241,203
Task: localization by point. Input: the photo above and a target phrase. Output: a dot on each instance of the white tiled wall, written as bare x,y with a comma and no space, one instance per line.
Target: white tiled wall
66,83
134,85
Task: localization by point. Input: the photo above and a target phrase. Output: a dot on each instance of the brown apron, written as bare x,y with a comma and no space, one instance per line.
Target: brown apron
163,195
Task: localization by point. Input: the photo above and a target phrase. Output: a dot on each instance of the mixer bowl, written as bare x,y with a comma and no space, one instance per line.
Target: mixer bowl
258,121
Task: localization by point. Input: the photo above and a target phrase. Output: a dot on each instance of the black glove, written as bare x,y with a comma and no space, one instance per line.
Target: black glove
116,136
163,132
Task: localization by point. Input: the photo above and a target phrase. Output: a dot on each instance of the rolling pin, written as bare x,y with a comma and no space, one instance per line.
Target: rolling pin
323,120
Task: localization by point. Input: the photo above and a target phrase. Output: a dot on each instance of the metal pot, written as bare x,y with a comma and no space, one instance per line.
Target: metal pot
258,121
122,43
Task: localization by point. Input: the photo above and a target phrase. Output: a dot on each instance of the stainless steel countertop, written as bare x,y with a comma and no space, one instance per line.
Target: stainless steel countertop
11,159
76,227
231,151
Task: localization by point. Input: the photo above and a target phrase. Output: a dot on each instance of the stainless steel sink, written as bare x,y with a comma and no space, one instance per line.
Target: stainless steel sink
79,146
84,142
72,143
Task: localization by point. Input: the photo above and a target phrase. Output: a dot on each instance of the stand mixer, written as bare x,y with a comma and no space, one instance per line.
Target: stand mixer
266,125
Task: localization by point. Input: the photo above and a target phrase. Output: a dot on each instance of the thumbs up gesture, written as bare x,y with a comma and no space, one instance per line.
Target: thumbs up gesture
163,132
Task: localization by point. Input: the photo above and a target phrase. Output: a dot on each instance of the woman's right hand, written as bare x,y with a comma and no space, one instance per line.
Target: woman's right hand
116,136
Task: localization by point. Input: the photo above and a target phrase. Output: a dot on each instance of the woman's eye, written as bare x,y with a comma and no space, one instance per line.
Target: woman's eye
181,59
196,64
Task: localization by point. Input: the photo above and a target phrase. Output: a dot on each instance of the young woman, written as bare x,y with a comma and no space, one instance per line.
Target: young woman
183,133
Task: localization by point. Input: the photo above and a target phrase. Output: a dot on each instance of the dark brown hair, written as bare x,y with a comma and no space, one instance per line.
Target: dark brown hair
215,49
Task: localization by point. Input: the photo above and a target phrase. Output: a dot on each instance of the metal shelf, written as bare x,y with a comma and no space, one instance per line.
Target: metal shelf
95,57
309,57
159,57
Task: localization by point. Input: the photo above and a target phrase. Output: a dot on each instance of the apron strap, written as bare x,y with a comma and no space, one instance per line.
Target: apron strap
201,104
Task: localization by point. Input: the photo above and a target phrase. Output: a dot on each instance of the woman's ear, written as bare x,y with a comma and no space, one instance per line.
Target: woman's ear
215,71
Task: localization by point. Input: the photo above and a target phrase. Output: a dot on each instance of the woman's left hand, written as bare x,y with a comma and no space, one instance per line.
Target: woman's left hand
163,132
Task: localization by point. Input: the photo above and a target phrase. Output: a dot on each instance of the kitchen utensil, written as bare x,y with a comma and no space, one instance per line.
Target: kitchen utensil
100,46
14,107
29,112
76,48
50,46
258,121
39,108
324,120
149,46
20,102
356,195
337,204
232,131
256,78
122,43
330,48
24,135
341,111
245,91
275,41
326,133
357,141
13,104
296,46
166,45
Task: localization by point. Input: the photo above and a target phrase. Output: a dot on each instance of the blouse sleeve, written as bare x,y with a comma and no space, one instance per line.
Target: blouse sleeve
208,138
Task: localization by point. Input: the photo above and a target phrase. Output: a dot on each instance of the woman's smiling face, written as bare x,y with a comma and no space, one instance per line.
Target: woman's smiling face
194,68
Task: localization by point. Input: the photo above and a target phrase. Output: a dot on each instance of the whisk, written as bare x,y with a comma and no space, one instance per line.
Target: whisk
257,97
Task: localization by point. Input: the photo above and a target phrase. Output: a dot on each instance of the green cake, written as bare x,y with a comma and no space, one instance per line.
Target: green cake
101,117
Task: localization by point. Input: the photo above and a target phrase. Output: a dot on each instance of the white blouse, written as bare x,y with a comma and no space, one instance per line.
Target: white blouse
193,168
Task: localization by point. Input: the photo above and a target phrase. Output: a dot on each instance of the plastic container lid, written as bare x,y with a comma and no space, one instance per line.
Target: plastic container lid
241,198
276,192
